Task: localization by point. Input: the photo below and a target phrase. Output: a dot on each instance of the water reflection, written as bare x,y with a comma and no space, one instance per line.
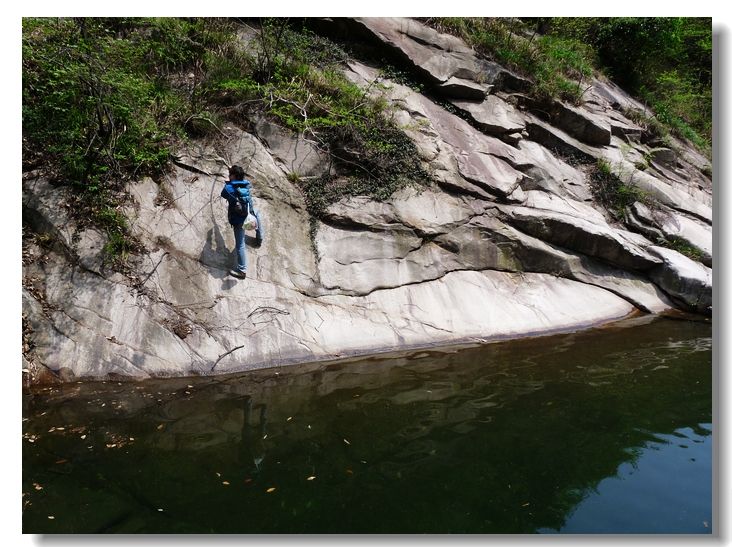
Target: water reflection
509,437
252,437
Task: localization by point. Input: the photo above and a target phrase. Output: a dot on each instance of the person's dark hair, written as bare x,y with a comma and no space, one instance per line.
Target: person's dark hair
236,173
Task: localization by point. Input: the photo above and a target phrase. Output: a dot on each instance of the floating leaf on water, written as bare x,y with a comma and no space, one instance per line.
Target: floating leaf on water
160,510
309,426
290,418
225,483
346,441
218,475
83,437
526,504
52,430
349,471
189,387
160,427
60,428
247,480
51,517
311,477
132,439
37,486
265,436
61,461
272,489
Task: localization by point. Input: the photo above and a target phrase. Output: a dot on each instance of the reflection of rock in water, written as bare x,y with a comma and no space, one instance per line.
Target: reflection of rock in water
252,449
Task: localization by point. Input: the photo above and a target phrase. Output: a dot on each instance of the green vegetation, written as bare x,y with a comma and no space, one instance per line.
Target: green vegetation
559,66
294,76
104,99
684,247
664,61
99,107
614,194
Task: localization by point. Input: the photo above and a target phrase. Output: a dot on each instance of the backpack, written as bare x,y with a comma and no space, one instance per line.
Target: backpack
240,207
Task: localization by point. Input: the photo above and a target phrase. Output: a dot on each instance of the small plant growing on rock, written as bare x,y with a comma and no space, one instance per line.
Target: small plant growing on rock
641,165
614,194
682,246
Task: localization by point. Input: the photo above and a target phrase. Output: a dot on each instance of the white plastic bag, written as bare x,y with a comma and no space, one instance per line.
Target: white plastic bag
250,223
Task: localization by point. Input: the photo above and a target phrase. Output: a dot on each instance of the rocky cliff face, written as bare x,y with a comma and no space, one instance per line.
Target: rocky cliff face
507,241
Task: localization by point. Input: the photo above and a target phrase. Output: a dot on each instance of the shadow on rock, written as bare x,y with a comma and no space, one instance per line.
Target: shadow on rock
215,255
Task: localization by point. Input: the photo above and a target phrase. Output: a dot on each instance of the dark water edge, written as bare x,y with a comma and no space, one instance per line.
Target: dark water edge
602,431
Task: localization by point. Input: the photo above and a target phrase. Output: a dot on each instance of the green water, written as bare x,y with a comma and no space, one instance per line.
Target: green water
603,431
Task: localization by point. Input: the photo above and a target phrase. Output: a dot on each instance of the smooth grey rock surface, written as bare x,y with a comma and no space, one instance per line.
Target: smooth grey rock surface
684,279
492,115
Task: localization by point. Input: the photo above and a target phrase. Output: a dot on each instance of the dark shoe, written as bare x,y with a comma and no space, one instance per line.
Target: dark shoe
237,273
258,242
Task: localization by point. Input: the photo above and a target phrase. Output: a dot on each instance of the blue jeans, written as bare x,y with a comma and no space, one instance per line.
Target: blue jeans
240,246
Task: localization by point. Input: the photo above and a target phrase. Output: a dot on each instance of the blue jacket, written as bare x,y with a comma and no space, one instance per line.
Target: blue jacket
232,189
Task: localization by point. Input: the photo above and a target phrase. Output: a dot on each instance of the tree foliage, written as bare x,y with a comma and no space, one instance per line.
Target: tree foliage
665,61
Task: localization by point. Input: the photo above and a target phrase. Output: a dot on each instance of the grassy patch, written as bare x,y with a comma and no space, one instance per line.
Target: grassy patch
684,247
558,66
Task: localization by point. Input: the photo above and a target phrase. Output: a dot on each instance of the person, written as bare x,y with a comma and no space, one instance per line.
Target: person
238,187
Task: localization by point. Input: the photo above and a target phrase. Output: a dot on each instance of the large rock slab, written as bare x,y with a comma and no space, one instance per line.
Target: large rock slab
258,324
531,254
442,59
556,139
684,279
459,155
664,223
547,172
590,238
581,124
492,115
195,223
664,191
